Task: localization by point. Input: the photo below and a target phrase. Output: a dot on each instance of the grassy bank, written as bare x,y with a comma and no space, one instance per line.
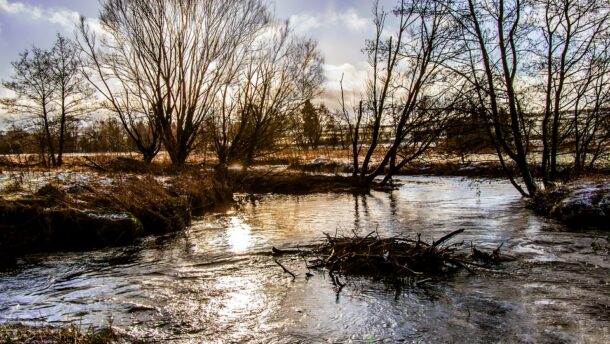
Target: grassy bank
292,182
68,210
101,210
473,169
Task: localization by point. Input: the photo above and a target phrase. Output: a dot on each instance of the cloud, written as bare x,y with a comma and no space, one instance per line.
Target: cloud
354,76
340,33
355,22
350,19
62,17
304,22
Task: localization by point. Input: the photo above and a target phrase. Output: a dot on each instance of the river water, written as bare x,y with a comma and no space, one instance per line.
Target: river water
215,282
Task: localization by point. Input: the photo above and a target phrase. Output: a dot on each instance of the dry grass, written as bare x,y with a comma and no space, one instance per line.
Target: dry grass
97,213
325,159
52,335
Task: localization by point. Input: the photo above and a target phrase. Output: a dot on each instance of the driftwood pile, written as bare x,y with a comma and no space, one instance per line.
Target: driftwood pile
395,258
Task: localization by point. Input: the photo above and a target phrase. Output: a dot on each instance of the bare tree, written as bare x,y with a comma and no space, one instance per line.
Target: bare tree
48,85
73,93
494,33
261,104
172,57
571,30
591,109
118,79
353,119
410,90
34,89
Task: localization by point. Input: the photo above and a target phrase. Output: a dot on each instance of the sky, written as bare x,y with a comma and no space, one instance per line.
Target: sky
339,26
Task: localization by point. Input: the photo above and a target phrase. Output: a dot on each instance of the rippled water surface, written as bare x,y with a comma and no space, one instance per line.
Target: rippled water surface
216,282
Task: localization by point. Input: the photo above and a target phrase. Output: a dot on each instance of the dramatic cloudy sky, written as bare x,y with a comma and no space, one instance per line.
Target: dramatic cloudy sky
340,27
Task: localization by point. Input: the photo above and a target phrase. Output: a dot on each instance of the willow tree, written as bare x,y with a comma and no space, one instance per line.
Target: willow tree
165,61
117,78
495,34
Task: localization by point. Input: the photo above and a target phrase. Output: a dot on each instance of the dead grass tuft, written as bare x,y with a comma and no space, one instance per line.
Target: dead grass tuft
70,335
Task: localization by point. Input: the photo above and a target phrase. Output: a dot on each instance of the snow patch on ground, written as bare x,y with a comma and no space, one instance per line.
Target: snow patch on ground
585,203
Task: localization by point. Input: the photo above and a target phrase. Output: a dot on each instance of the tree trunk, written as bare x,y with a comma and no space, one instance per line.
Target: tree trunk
62,136
49,138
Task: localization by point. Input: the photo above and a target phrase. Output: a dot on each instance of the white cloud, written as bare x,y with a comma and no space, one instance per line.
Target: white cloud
62,17
304,22
350,19
355,77
14,7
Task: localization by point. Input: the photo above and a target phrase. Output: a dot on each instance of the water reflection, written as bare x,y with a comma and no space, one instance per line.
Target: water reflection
210,284
238,235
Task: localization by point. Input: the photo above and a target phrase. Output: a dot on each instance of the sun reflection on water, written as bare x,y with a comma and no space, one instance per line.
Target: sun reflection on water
238,235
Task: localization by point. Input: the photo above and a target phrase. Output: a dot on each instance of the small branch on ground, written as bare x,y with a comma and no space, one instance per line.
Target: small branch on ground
285,269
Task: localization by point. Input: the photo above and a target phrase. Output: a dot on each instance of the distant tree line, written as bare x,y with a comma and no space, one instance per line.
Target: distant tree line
98,136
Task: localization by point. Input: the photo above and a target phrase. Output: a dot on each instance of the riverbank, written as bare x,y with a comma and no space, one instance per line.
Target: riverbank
482,169
433,167
113,202
584,203
79,210
46,213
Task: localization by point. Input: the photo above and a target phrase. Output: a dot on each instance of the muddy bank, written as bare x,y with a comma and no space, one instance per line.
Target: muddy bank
579,204
76,216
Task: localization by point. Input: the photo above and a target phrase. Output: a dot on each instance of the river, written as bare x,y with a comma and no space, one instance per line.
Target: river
215,282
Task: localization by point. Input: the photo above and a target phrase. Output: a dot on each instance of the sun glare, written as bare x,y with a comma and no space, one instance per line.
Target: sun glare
238,235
